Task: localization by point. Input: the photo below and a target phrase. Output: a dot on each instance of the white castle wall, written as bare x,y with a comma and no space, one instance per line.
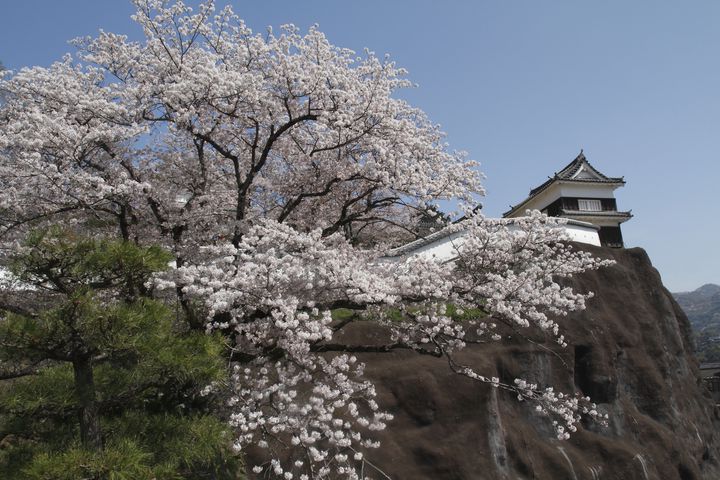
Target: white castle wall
444,248
587,233
588,190
563,189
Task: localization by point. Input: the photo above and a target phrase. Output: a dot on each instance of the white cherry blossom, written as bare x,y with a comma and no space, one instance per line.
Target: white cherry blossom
279,169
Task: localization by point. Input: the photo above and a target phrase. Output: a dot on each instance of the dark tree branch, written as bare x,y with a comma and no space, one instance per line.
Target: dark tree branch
338,347
23,372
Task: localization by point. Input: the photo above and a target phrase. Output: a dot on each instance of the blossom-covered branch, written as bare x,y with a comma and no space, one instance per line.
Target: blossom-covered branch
279,169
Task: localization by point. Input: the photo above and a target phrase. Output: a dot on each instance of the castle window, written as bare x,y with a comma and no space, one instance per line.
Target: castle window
589,205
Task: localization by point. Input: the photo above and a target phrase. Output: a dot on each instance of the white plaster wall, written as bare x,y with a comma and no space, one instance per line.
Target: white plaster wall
583,234
543,199
445,249
540,201
587,191
560,189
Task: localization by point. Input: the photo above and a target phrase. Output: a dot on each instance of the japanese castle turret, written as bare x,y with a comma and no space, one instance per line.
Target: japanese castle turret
581,193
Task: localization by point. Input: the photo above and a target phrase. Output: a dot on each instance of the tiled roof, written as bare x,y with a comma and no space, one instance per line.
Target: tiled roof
604,213
571,169
567,174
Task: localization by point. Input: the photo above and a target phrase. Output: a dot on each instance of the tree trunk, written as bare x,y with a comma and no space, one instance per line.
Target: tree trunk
191,317
90,434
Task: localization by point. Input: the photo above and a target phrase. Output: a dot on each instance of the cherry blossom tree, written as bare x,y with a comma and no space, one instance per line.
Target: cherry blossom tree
279,169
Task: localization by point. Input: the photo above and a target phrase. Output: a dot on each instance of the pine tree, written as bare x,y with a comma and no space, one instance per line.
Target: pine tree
101,381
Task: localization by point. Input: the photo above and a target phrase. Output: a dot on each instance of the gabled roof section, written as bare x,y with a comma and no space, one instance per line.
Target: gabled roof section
579,170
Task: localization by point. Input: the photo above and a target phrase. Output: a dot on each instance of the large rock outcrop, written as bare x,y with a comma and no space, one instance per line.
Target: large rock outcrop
631,350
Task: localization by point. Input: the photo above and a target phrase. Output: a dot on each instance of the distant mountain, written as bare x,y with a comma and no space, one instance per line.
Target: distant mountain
702,307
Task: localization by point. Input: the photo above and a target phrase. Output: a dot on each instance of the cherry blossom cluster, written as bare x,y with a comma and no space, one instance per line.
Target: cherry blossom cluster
279,169
514,265
206,125
322,409
275,293
272,295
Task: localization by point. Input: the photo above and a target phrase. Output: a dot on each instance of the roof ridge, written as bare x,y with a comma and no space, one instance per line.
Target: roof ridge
575,163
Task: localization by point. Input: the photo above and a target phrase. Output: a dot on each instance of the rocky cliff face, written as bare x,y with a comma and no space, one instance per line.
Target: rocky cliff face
631,350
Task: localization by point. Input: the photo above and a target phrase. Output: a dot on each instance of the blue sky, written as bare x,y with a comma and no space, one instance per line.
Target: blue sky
522,86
